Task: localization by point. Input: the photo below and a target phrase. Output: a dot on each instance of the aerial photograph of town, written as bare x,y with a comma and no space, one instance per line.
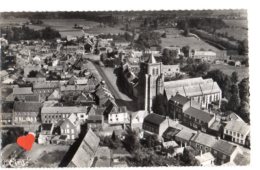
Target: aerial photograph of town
124,89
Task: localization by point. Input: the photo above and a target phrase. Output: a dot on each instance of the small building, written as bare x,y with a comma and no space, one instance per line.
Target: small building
170,70
198,119
21,92
184,136
121,116
46,133
203,142
137,119
224,152
45,89
208,56
55,95
206,159
155,124
70,127
6,118
95,121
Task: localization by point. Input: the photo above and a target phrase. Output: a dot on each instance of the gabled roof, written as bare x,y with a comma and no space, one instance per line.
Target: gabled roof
154,119
64,109
22,90
185,134
199,114
55,95
86,151
46,85
204,139
224,147
180,99
27,107
238,126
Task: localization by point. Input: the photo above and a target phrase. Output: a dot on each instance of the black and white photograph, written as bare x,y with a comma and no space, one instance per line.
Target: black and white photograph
139,88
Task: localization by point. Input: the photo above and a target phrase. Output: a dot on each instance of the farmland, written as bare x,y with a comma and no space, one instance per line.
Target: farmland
174,38
242,71
65,26
236,29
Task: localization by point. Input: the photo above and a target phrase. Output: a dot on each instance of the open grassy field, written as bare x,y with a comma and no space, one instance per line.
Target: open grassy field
65,26
237,29
174,38
242,71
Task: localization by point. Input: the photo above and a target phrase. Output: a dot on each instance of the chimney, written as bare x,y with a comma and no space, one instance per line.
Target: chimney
200,152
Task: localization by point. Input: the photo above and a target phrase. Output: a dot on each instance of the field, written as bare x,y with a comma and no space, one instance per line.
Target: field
65,26
174,38
237,29
242,71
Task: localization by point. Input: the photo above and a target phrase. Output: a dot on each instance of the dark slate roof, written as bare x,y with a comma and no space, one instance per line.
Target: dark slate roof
46,126
199,114
154,119
170,132
27,106
180,99
224,147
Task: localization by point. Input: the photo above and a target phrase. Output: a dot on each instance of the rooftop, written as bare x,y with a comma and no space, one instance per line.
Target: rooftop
64,109
22,90
180,99
27,107
238,126
204,139
199,114
224,147
205,157
154,119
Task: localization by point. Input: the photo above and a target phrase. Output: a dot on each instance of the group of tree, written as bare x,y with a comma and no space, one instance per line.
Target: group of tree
148,39
237,94
196,69
25,33
169,56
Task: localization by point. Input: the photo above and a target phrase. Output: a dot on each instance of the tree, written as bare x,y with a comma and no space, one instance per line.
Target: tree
234,101
244,90
186,29
234,77
148,39
223,81
244,111
131,141
243,47
33,73
160,105
167,57
186,50
188,157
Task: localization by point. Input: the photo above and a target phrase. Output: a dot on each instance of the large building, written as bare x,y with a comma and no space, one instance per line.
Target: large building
151,81
204,91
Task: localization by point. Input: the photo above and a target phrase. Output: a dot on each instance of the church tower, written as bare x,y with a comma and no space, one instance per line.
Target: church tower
153,79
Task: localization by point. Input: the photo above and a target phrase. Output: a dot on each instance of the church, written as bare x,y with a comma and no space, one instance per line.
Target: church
151,84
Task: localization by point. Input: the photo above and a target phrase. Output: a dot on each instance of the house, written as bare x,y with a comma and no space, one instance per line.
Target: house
203,91
170,70
67,89
55,114
236,131
85,153
26,112
45,89
121,116
224,152
155,124
85,99
184,136
206,159
103,95
70,127
6,118
46,133
178,104
20,92
102,157
55,95
203,142
208,56
170,134
137,119
95,118
198,119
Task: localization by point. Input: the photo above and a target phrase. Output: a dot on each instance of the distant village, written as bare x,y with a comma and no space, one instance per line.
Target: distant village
57,90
